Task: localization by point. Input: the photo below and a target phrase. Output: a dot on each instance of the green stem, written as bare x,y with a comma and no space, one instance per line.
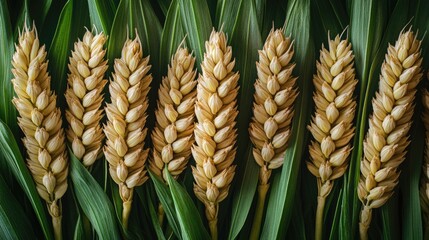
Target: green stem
126,213
87,226
213,228
56,223
319,217
160,214
257,220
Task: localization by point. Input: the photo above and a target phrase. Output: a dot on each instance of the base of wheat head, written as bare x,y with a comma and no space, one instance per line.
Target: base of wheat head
387,137
40,120
125,128
215,131
84,96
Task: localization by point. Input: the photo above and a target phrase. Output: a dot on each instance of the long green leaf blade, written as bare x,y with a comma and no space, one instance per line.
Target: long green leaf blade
172,35
240,21
7,110
368,19
166,200
74,17
190,222
100,13
14,224
197,25
93,201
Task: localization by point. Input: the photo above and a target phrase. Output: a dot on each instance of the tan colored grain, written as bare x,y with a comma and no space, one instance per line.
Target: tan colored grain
84,97
387,137
172,137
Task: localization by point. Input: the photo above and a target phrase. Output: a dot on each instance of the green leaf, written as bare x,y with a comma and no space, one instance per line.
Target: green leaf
39,10
14,224
197,25
190,222
283,187
79,233
421,22
7,110
155,220
93,200
323,21
100,13
390,219
165,5
410,179
227,14
368,19
73,18
166,200
136,15
243,195
172,36
16,163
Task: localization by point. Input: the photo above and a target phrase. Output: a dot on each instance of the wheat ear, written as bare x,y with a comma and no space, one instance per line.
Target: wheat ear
173,134
275,94
84,97
40,120
332,123
215,132
125,129
387,137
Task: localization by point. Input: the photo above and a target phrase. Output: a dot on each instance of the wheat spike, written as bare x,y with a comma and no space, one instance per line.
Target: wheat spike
387,137
215,132
332,123
125,129
40,120
275,93
173,134
273,109
424,180
84,97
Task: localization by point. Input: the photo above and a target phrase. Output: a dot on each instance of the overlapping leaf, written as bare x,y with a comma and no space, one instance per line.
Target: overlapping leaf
93,200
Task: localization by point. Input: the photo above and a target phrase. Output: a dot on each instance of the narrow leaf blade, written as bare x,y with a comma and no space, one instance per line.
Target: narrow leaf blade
93,201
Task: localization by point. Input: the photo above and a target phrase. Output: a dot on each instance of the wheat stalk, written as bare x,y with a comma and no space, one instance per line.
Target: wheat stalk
84,97
215,132
40,120
173,134
332,123
125,129
424,180
275,94
387,137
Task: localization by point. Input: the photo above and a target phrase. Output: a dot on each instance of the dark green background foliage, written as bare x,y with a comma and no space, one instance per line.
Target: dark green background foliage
92,206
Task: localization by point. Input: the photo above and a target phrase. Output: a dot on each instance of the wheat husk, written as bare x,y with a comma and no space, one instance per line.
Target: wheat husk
387,137
84,96
215,132
125,128
172,136
41,122
332,123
